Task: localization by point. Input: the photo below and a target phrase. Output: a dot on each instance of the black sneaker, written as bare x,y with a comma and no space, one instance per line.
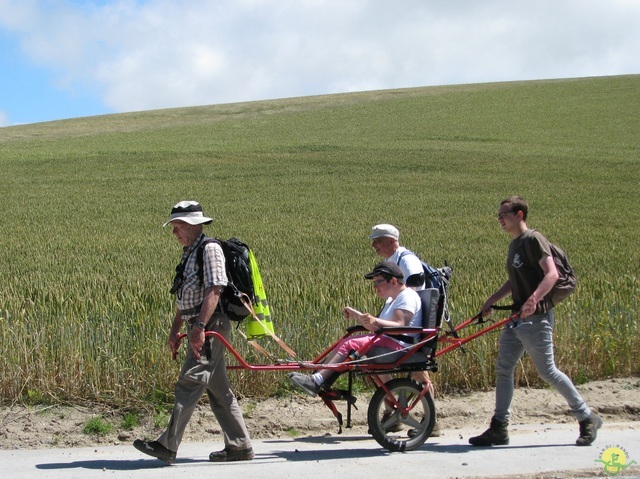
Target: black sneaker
229,455
155,449
305,382
589,429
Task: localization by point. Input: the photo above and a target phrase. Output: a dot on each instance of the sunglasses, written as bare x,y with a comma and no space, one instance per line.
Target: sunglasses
503,214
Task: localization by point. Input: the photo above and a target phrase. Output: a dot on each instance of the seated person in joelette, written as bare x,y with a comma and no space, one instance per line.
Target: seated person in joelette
402,308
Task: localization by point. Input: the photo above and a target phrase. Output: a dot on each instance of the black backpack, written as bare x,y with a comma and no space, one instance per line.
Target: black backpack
566,283
239,292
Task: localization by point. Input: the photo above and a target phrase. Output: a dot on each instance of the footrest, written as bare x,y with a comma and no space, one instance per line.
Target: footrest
338,395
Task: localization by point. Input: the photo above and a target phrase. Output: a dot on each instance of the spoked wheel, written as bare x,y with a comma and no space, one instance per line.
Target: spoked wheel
395,429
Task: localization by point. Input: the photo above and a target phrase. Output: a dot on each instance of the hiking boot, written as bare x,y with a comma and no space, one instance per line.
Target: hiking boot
435,432
155,449
305,382
496,435
395,427
229,455
589,429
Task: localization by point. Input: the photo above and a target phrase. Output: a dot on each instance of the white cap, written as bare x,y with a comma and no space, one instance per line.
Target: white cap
378,231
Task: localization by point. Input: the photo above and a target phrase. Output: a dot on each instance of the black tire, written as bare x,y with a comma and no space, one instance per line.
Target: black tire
389,428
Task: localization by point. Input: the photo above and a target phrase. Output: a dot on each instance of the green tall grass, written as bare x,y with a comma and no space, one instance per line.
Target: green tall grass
86,266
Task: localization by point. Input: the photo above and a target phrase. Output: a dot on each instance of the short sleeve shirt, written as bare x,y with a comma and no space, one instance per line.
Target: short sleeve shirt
214,274
523,267
407,300
410,264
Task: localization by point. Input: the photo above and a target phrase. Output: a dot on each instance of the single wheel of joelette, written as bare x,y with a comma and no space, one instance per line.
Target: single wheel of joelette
393,430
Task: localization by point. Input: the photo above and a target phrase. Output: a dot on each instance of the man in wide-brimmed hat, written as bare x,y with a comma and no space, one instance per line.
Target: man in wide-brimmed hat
198,289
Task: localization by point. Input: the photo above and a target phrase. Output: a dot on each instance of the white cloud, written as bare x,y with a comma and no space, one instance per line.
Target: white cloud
4,119
165,53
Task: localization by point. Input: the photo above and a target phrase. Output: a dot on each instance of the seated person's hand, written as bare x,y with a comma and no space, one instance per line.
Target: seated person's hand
367,319
350,313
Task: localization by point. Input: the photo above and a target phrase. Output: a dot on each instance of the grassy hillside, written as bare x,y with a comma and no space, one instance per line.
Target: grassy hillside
86,264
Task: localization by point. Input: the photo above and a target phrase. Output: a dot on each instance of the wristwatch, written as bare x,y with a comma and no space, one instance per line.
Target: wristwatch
200,324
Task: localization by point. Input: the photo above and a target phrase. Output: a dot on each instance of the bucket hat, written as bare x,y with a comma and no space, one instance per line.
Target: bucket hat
189,212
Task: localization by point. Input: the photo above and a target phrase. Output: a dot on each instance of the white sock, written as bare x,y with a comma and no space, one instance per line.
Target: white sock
318,378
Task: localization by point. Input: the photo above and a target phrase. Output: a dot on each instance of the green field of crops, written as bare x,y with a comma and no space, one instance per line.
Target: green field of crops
86,264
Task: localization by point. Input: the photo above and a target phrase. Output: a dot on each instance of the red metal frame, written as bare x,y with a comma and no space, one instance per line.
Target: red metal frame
450,340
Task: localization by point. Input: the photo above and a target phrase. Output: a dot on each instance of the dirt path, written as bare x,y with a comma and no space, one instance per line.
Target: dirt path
617,400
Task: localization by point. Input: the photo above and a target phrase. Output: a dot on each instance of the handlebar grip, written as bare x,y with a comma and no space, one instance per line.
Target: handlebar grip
502,308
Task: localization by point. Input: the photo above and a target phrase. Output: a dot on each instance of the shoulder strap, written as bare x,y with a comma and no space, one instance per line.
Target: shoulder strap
200,255
404,253
527,247
178,280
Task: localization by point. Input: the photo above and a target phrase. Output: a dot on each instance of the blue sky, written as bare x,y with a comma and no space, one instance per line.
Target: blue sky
73,58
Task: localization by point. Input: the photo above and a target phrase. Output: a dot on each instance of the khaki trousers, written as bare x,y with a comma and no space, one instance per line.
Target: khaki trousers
209,374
